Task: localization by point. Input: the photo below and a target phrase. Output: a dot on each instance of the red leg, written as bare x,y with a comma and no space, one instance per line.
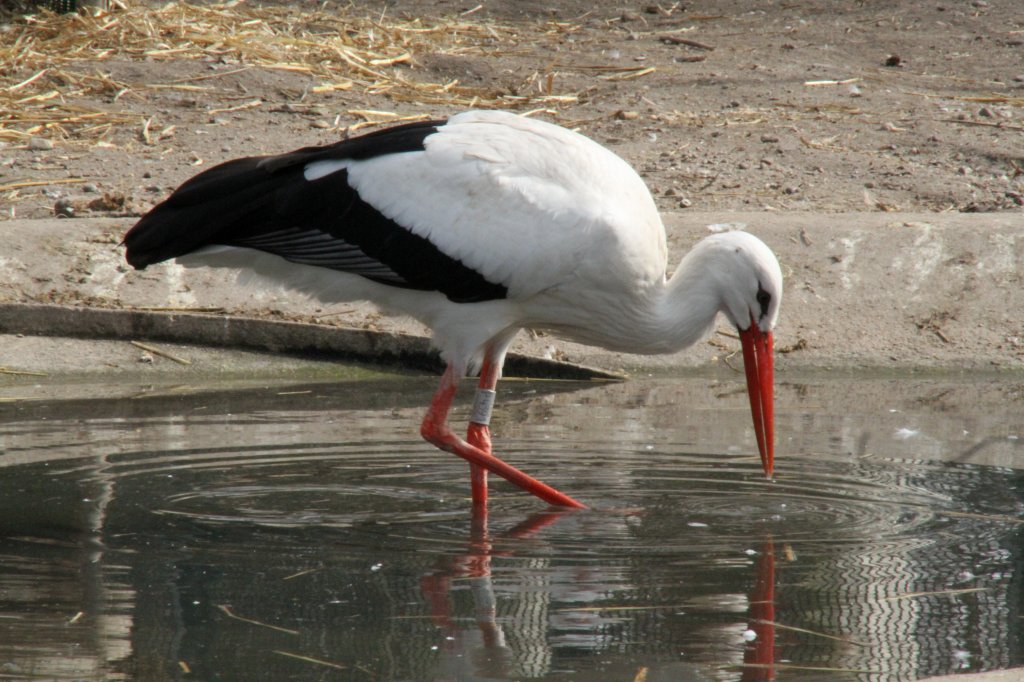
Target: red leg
479,434
435,429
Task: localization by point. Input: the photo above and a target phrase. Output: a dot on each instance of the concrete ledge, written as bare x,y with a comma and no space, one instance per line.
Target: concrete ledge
257,334
863,290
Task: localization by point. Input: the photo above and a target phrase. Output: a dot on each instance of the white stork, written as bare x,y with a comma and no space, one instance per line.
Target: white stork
478,226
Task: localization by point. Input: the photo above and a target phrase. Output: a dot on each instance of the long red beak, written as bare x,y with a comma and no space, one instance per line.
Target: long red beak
759,365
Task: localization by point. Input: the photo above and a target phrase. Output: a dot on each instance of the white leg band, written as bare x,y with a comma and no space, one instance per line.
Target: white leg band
483,403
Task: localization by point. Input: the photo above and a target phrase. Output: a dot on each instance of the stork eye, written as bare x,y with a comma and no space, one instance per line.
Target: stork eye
764,299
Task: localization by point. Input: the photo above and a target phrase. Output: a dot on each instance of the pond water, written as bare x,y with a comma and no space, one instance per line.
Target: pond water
304,532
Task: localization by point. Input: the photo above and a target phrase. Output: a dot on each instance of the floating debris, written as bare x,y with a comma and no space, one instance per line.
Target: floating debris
230,614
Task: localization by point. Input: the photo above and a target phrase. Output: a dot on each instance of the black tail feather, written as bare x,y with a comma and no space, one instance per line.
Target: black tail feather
198,211
219,202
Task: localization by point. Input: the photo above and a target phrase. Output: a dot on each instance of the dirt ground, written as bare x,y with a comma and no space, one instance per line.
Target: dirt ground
721,105
855,139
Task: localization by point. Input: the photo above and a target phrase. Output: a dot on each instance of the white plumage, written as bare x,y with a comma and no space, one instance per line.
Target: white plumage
561,234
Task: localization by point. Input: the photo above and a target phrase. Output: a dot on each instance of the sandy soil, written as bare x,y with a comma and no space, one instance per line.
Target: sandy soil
917,106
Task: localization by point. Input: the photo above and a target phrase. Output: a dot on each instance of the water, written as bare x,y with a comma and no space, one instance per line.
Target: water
305,533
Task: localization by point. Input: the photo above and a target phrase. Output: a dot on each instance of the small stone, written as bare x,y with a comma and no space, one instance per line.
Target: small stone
685,203
64,209
769,139
893,61
322,125
90,188
40,144
627,115
985,112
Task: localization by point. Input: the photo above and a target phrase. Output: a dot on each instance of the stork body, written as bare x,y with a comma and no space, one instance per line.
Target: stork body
477,226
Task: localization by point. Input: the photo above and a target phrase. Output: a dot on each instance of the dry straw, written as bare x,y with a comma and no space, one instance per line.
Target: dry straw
53,83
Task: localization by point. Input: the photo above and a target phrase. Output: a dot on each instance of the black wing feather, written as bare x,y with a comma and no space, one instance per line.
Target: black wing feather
266,203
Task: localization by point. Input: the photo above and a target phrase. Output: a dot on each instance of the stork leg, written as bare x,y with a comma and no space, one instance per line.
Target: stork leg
479,433
435,430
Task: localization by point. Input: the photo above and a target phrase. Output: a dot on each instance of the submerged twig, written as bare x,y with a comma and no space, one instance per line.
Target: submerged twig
596,609
310,659
793,628
308,570
938,593
230,614
985,517
794,666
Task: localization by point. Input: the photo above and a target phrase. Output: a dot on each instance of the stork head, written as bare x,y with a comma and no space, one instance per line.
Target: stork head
752,293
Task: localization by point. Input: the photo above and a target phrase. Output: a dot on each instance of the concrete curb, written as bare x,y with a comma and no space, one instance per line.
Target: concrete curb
256,334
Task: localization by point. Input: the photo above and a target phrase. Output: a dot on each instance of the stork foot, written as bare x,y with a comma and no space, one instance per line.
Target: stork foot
441,436
435,430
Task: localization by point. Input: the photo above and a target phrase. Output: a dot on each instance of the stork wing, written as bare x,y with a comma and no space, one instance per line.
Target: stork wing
482,206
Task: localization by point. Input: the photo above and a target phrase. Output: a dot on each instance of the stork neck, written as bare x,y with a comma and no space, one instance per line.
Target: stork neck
658,317
689,302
